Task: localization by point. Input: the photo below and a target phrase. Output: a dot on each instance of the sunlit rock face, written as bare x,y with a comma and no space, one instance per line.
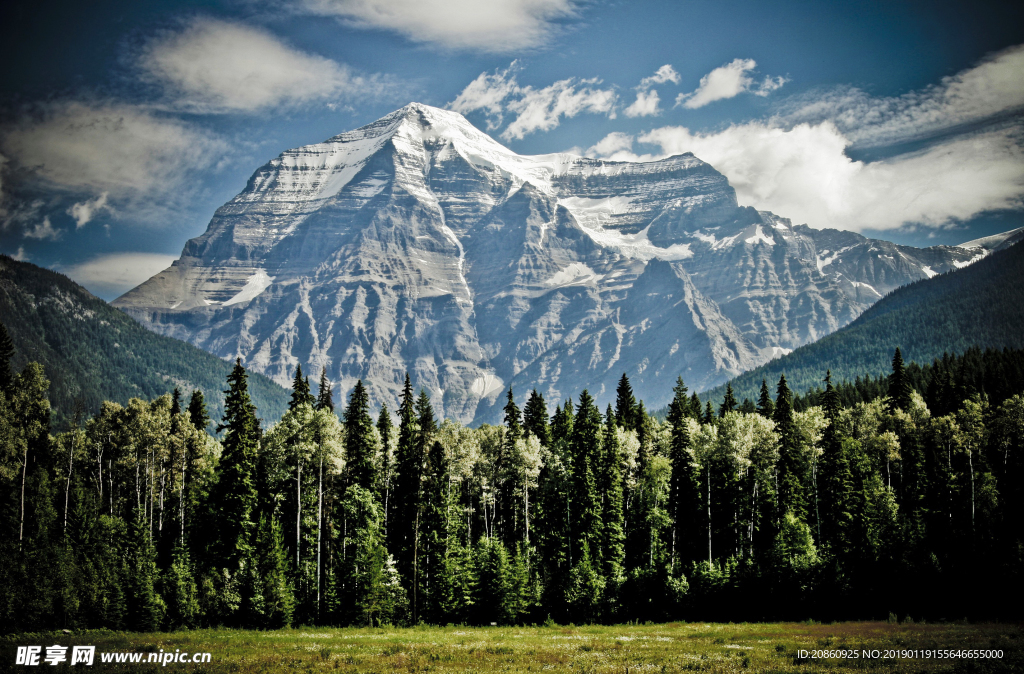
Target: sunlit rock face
419,244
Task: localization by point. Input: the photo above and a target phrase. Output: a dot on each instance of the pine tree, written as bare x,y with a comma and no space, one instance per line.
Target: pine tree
535,418
790,468
765,405
359,448
609,486
407,484
695,407
625,404
709,414
197,411
234,499
899,385
506,524
300,390
325,393
729,404
835,477
267,598
386,471
175,402
683,498
585,448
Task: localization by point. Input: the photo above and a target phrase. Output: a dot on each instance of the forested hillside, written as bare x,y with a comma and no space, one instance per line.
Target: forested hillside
93,352
140,520
979,306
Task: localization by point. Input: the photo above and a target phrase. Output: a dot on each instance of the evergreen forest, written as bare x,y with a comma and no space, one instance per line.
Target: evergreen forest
905,499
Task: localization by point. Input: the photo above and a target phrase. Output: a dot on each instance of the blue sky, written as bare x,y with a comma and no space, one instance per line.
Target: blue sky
124,125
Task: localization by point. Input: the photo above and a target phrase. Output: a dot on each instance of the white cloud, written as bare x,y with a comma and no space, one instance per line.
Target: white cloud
645,105
115,274
803,173
542,109
120,149
990,89
665,73
488,25
488,92
20,256
84,211
612,145
728,81
218,66
535,109
43,231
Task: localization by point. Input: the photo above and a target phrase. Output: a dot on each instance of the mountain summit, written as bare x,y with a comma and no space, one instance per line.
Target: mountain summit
418,243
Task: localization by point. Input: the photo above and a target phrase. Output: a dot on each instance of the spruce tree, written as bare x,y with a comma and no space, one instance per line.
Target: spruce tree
359,447
835,476
234,498
709,414
729,404
610,488
535,418
696,408
175,402
506,524
300,390
683,497
765,405
586,509
385,485
790,467
407,484
899,385
197,413
625,404
325,393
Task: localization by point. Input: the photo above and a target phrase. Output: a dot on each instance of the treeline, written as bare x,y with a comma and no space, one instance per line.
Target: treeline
138,519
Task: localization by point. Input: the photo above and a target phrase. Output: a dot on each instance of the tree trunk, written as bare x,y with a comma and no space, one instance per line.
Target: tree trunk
709,512
67,487
319,528
24,472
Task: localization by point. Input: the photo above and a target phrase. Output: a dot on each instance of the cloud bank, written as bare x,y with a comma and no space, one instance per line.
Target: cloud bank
492,26
110,276
993,88
120,149
796,163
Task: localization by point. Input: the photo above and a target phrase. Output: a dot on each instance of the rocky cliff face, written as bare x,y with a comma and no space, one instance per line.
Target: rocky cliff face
417,243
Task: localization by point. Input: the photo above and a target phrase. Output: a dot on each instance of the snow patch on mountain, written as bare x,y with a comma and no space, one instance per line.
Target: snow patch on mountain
253,287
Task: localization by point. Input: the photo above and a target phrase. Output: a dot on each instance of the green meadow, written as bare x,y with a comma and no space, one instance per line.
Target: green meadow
671,647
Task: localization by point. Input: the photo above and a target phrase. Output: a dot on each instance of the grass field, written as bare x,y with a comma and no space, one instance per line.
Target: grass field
672,647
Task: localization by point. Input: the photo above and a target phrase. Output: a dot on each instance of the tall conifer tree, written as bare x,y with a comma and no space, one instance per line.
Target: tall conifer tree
790,468
683,496
359,449
300,390
899,385
535,418
197,413
235,495
325,393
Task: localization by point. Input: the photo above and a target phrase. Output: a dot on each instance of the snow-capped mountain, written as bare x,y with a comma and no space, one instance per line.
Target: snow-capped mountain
418,243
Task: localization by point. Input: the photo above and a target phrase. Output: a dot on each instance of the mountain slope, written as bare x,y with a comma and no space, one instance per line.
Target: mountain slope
93,352
981,305
417,243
